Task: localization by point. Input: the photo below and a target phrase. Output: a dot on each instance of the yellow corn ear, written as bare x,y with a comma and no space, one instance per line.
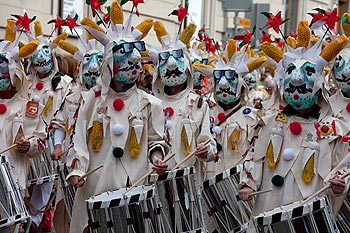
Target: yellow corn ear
48,106
28,48
291,42
20,45
96,136
62,36
231,48
68,47
346,26
333,48
144,27
10,35
270,68
187,33
256,63
148,67
308,171
160,30
234,141
90,23
38,28
145,53
134,146
186,147
116,13
270,156
272,51
200,47
304,34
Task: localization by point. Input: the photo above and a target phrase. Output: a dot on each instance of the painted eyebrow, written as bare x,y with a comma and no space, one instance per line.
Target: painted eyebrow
87,55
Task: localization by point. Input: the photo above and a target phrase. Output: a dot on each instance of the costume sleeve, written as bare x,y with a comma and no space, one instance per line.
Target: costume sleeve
34,150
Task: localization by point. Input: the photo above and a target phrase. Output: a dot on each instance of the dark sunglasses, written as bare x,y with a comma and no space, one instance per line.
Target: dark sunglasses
128,47
229,74
175,53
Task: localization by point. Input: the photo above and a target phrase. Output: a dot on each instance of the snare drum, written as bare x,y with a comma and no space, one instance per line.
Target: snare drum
343,217
180,200
114,212
67,190
312,217
12,208
219,193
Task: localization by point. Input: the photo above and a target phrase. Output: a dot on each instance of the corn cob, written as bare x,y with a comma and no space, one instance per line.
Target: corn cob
96,136
231,48
314,40
270,68
28,48
116,13
68,47
291,42
160,30
145,53
144,27
10,35
38,28
20,45
198,64
333,48
304,34
272,51
62,36
234,141
134,146
248,50
222,54
200,47
90,23
186,147
270,156
346,26
256,63
148,67
308,171
187,33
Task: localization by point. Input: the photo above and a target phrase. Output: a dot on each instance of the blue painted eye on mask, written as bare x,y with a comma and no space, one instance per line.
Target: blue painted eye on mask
91,68
42,60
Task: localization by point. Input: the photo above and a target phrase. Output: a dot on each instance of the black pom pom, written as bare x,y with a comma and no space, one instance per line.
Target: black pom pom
277,181
118,152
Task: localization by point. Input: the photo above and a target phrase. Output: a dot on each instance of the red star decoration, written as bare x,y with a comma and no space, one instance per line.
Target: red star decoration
265,37
58,22
273,21
180,13
246,38
24,21
316,17
331,18
95,6
70,22
106,18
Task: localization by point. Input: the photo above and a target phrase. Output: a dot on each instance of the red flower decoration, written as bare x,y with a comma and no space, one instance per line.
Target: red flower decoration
221,116
118,104
181,13
265,37
3,108
24,21
169,110
39,85
331,18
71,22
134,2
58,22
274,21
295,128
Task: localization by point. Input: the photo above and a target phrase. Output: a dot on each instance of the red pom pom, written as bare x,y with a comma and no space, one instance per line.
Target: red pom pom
118,104
281,107
324,128
295,128
3,108
348,107
39,86
169,110
221,116
345,138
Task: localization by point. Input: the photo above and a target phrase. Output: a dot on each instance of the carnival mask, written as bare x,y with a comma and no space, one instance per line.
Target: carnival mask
299,83
42,59
198,76
172,67
127,61
91,67
341,71
250,79
5,80
226,85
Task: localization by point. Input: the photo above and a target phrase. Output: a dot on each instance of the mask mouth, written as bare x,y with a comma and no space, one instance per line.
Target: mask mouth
170,73
90,73
302,89
225,90
42,63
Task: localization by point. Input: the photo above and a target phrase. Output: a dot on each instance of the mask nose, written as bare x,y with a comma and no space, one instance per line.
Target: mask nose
223,83
172,65
135,56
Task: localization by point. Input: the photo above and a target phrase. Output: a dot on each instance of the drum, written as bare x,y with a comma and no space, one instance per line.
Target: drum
115,212
219,192
343,217
314,216
68,191
12,208
180,200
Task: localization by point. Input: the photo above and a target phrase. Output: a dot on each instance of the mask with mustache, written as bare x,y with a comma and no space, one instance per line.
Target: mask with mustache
5,79
226,90
91,68
172,71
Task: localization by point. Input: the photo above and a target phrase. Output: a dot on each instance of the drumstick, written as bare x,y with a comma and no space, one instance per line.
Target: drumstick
189,156
86,174
257,193
13,146
323,189
148,174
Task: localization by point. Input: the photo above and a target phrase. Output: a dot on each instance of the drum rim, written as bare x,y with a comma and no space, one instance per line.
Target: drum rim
222,176
41,180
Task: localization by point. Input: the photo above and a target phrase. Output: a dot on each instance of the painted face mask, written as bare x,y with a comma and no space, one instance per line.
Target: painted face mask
198,76
127,61
341,71
5,80
172,68
91,68
299,83
42,60
250,79
226,84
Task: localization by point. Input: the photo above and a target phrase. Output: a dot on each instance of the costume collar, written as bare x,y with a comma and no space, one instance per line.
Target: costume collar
315,112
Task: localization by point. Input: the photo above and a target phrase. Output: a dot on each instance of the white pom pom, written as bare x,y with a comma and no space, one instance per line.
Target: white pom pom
217,129
117,129
288,154
36,98
168,124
